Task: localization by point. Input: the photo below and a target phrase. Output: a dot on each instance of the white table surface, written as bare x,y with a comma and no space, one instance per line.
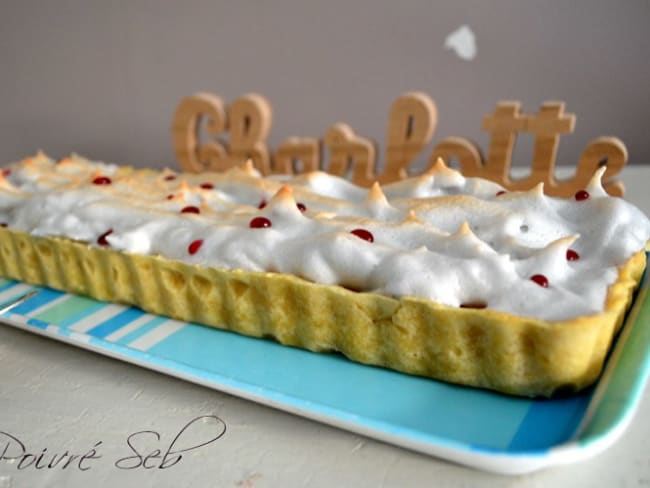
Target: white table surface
57,397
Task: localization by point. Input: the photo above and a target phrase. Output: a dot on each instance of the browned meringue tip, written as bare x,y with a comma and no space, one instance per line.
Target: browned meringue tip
285,190
205,208
464,230
247,166
40,156
284,195
537,190
411,217
66,160
375,194
563,242
439,166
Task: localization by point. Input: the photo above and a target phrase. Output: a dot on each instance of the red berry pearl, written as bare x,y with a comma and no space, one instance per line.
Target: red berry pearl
262,204
194,246
363,234
102,180
207,186
6,172
581,195
501,192
170,177
101,240
571,255
301,207
541,280
191,209
259,223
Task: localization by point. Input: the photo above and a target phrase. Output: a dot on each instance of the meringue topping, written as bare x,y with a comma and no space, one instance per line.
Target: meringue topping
439,236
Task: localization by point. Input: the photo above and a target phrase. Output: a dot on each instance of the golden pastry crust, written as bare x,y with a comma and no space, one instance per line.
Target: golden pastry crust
482,348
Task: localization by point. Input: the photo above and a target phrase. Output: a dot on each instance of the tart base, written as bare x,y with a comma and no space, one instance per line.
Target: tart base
480,348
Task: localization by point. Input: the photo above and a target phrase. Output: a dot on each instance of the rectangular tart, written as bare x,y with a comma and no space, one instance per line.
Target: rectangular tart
468,345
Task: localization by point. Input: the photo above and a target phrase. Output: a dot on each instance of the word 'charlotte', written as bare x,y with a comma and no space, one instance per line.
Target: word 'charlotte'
411,124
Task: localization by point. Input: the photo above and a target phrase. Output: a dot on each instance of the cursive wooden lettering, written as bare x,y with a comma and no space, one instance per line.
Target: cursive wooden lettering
249,125
503,126
191,155
297,155
547,125
350,153
411,123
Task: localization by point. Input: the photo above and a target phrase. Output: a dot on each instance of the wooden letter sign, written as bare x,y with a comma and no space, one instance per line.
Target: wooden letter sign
411,123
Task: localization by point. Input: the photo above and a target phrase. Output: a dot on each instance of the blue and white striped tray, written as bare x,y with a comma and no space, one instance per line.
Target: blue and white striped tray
469,426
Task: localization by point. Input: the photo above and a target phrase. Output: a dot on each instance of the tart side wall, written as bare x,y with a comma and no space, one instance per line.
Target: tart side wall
482,348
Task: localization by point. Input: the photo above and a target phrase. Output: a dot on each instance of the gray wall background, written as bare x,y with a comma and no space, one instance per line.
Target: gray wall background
103,78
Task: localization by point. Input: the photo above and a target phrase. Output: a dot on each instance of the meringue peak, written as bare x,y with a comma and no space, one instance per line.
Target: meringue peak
376,195
595,185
